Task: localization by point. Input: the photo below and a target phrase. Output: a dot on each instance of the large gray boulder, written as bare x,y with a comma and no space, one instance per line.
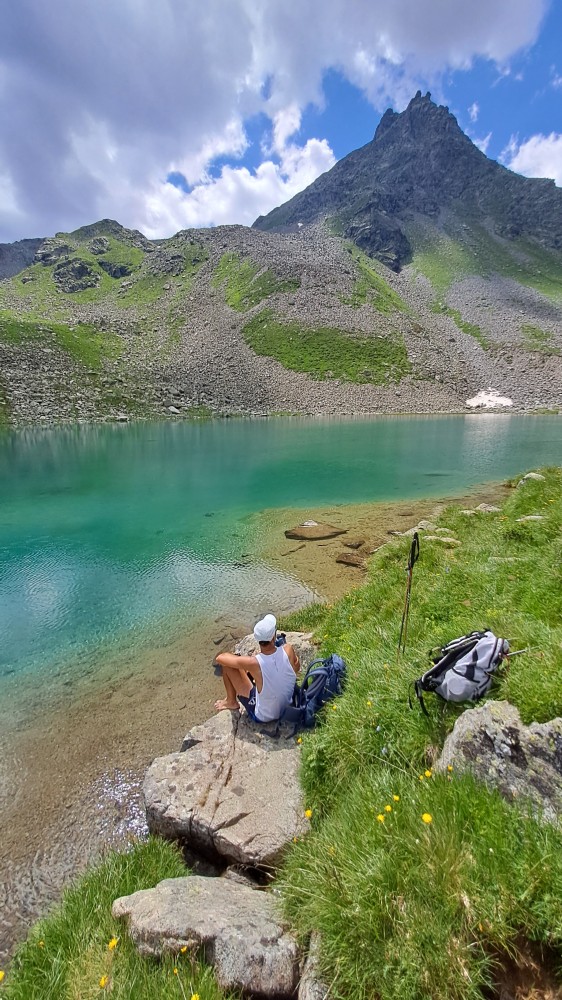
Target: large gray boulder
522,762
238,928
234,792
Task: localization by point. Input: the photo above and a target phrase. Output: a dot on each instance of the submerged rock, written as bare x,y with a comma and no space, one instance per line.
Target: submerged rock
313,531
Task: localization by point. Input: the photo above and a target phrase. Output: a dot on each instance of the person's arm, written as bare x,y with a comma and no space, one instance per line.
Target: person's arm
237,662
249,664
293,658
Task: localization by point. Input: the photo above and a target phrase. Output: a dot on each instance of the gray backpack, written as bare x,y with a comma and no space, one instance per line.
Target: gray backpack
463,669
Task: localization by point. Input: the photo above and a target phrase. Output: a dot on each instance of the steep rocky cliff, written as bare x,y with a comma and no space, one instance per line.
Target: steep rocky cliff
420,163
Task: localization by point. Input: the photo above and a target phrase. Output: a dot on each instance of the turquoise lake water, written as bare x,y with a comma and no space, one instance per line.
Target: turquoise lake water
119,534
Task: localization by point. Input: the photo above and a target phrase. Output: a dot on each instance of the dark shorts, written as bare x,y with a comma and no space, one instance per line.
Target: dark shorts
249,704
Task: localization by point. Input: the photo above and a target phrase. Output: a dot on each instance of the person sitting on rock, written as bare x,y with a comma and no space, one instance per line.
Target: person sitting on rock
263,683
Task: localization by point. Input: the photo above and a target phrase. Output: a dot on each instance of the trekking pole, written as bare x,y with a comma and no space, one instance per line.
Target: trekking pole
412,559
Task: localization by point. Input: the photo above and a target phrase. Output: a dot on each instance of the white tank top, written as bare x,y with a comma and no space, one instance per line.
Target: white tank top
278,684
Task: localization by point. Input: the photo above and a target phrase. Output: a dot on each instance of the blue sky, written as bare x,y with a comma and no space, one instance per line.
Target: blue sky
181,114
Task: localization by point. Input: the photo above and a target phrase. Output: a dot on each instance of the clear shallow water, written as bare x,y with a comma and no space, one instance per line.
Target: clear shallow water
115,534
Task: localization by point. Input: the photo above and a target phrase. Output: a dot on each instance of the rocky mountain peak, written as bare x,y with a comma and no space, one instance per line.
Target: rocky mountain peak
420,168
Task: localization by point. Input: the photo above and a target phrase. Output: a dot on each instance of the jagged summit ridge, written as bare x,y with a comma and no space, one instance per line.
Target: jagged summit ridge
421,167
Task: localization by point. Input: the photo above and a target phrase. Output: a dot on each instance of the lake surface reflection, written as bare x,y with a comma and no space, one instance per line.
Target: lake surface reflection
121,534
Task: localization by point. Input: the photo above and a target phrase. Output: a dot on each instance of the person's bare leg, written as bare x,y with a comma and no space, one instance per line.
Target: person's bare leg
235,682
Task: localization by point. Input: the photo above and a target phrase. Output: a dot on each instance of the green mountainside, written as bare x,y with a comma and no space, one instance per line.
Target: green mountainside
412,276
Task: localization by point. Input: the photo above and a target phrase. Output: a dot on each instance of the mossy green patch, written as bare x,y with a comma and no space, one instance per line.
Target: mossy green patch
536,339
246,283
328,353
371,286
143,290
471,250
472,329
83,342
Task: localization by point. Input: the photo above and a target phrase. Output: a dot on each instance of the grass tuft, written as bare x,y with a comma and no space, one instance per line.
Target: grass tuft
83,342
67,954
470,328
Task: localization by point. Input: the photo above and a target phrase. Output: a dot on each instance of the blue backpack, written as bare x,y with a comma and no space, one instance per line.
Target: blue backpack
324,679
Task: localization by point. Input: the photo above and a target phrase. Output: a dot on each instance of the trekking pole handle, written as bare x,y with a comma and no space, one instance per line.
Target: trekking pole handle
414,551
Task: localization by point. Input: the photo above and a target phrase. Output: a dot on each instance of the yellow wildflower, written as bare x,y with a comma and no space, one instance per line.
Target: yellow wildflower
427,818
299,739
334,708
396,798
421,777
381,818
175,972
103,982
183,949
369,703
449,767
2,974
40,944
427,774
308,813
388,809
113,944
195,996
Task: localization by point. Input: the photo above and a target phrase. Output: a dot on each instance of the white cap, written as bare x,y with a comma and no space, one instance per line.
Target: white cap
265,629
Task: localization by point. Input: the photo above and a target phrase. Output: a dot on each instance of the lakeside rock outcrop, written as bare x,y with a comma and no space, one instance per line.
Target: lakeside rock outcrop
232,793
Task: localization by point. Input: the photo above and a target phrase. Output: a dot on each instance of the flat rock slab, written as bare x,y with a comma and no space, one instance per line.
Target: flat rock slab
354,543
234,792
313,532
238,928
350,559
522,762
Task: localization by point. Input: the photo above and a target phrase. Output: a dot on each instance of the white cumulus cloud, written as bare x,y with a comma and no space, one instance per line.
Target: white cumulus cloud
101,101
474,111
539,156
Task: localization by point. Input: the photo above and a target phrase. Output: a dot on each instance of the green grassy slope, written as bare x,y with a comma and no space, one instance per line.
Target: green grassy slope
409,908
465,248
325,352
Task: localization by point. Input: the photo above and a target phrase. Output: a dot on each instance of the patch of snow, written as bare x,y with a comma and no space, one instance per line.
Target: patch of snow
488,399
